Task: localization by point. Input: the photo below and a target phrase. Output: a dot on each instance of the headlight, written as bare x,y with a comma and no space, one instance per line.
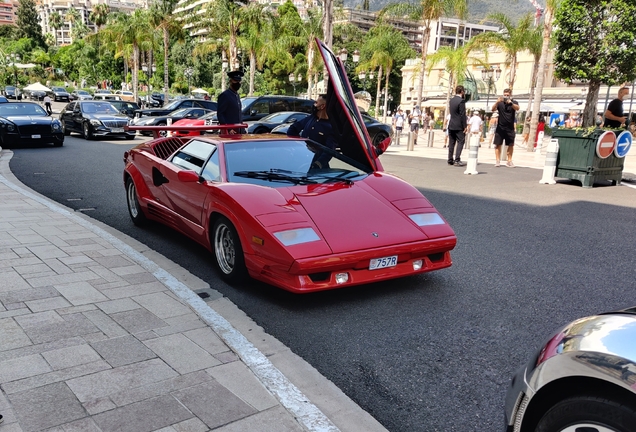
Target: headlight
426,219
296,236
96,122
56,125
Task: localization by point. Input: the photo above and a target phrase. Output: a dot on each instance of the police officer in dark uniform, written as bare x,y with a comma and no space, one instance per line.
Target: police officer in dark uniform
316,127
229,109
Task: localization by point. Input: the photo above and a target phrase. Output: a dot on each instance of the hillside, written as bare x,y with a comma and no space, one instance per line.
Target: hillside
478,9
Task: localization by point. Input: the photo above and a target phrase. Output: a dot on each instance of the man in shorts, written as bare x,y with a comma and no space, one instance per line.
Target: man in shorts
414,118
505,131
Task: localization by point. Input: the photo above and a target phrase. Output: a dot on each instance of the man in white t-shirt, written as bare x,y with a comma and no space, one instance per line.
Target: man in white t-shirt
475,124
415,117
398,124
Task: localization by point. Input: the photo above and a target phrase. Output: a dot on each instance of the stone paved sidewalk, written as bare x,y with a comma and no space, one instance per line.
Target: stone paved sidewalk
95,336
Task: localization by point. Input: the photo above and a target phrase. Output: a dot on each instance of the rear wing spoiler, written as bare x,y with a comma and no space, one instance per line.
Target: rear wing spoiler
224,130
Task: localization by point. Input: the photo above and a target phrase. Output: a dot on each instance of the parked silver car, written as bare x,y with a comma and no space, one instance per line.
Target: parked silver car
582,380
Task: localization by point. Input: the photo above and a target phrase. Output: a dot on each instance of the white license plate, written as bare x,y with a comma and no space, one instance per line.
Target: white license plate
36,136
380,263
116,129
209,122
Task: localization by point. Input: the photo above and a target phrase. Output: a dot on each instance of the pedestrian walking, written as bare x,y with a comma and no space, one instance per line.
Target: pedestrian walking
475,123
47,104
398,125
505,132
229,103
445,129
415,117
614,115
456,126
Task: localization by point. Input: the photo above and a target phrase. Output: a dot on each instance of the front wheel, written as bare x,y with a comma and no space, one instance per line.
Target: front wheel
134,209
379,137
65,129
88,134
130,137
228,253
589,414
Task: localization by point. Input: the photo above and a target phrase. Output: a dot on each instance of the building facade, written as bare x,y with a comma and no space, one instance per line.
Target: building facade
8,12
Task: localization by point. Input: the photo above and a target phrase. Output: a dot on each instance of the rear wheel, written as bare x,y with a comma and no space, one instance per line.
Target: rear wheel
130,137
228,253
261,131
134,209
162,133
88,134
379,137
589,414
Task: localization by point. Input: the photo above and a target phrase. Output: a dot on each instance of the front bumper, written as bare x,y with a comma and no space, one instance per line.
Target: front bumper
319,274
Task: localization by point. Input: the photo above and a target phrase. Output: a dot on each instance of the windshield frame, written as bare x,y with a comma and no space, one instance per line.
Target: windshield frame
40,112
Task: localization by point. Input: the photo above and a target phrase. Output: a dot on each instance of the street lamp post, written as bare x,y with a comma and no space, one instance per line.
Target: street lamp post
188,73
295,80
487,76
363,77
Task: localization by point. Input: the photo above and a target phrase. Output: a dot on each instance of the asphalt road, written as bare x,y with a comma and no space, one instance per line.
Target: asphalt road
428,353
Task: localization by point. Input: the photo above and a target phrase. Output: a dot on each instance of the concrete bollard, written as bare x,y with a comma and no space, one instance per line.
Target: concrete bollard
409,143
549,169
471,166
431,138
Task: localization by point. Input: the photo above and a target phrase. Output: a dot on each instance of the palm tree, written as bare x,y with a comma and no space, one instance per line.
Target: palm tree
548,21
511,41
385,47
72,16
56,22
99,15
456,61
534,45
163,19
428,12
251,38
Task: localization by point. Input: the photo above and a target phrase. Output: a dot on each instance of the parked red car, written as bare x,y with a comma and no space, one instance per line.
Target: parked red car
256,203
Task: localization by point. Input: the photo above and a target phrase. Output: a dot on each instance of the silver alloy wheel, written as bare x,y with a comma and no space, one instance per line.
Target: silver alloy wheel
587,427
87,131
131,195
224,248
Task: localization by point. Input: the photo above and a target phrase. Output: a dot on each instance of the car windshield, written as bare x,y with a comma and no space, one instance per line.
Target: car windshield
99,108
286,162
82,92
276,118
180,112
208,115
172,106
59,89
21,109
247,102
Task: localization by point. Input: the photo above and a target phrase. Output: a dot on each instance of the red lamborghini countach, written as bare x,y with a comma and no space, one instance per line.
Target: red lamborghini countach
259,206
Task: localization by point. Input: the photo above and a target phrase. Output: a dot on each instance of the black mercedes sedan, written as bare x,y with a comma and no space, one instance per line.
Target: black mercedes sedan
28,123
11,92
94,119
60,94
175,105
180,114
266,124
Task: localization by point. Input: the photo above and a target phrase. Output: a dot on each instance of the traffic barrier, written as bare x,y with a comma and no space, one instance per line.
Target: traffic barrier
549,169
431,137
471,166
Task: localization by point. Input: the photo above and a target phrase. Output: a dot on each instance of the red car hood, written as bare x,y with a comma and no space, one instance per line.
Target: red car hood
342,217
189,122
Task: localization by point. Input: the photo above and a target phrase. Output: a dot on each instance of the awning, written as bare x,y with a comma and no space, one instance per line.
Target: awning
199,90
37,87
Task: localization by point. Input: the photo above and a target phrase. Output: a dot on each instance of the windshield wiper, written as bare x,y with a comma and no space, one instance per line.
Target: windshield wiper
277,175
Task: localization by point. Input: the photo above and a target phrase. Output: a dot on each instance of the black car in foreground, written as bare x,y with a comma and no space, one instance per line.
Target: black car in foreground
175,105
377,130
28,123
266,124
94,119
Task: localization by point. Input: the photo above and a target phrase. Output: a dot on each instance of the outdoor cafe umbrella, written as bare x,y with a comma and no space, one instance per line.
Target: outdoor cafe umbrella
199,90
37,87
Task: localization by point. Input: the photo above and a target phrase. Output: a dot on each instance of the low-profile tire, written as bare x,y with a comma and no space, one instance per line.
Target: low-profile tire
227,250
379,137
162,133
588,413
134,209
65,129
87,132
261,131
58,143
130,137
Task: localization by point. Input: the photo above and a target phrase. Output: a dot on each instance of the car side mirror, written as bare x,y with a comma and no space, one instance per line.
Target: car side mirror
292,120
382,146
187,176
253,112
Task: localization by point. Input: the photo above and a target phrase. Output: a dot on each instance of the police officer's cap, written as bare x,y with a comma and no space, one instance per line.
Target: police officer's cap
236,75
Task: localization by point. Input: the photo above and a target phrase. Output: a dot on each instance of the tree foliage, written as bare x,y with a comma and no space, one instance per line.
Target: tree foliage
28,22
595,43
